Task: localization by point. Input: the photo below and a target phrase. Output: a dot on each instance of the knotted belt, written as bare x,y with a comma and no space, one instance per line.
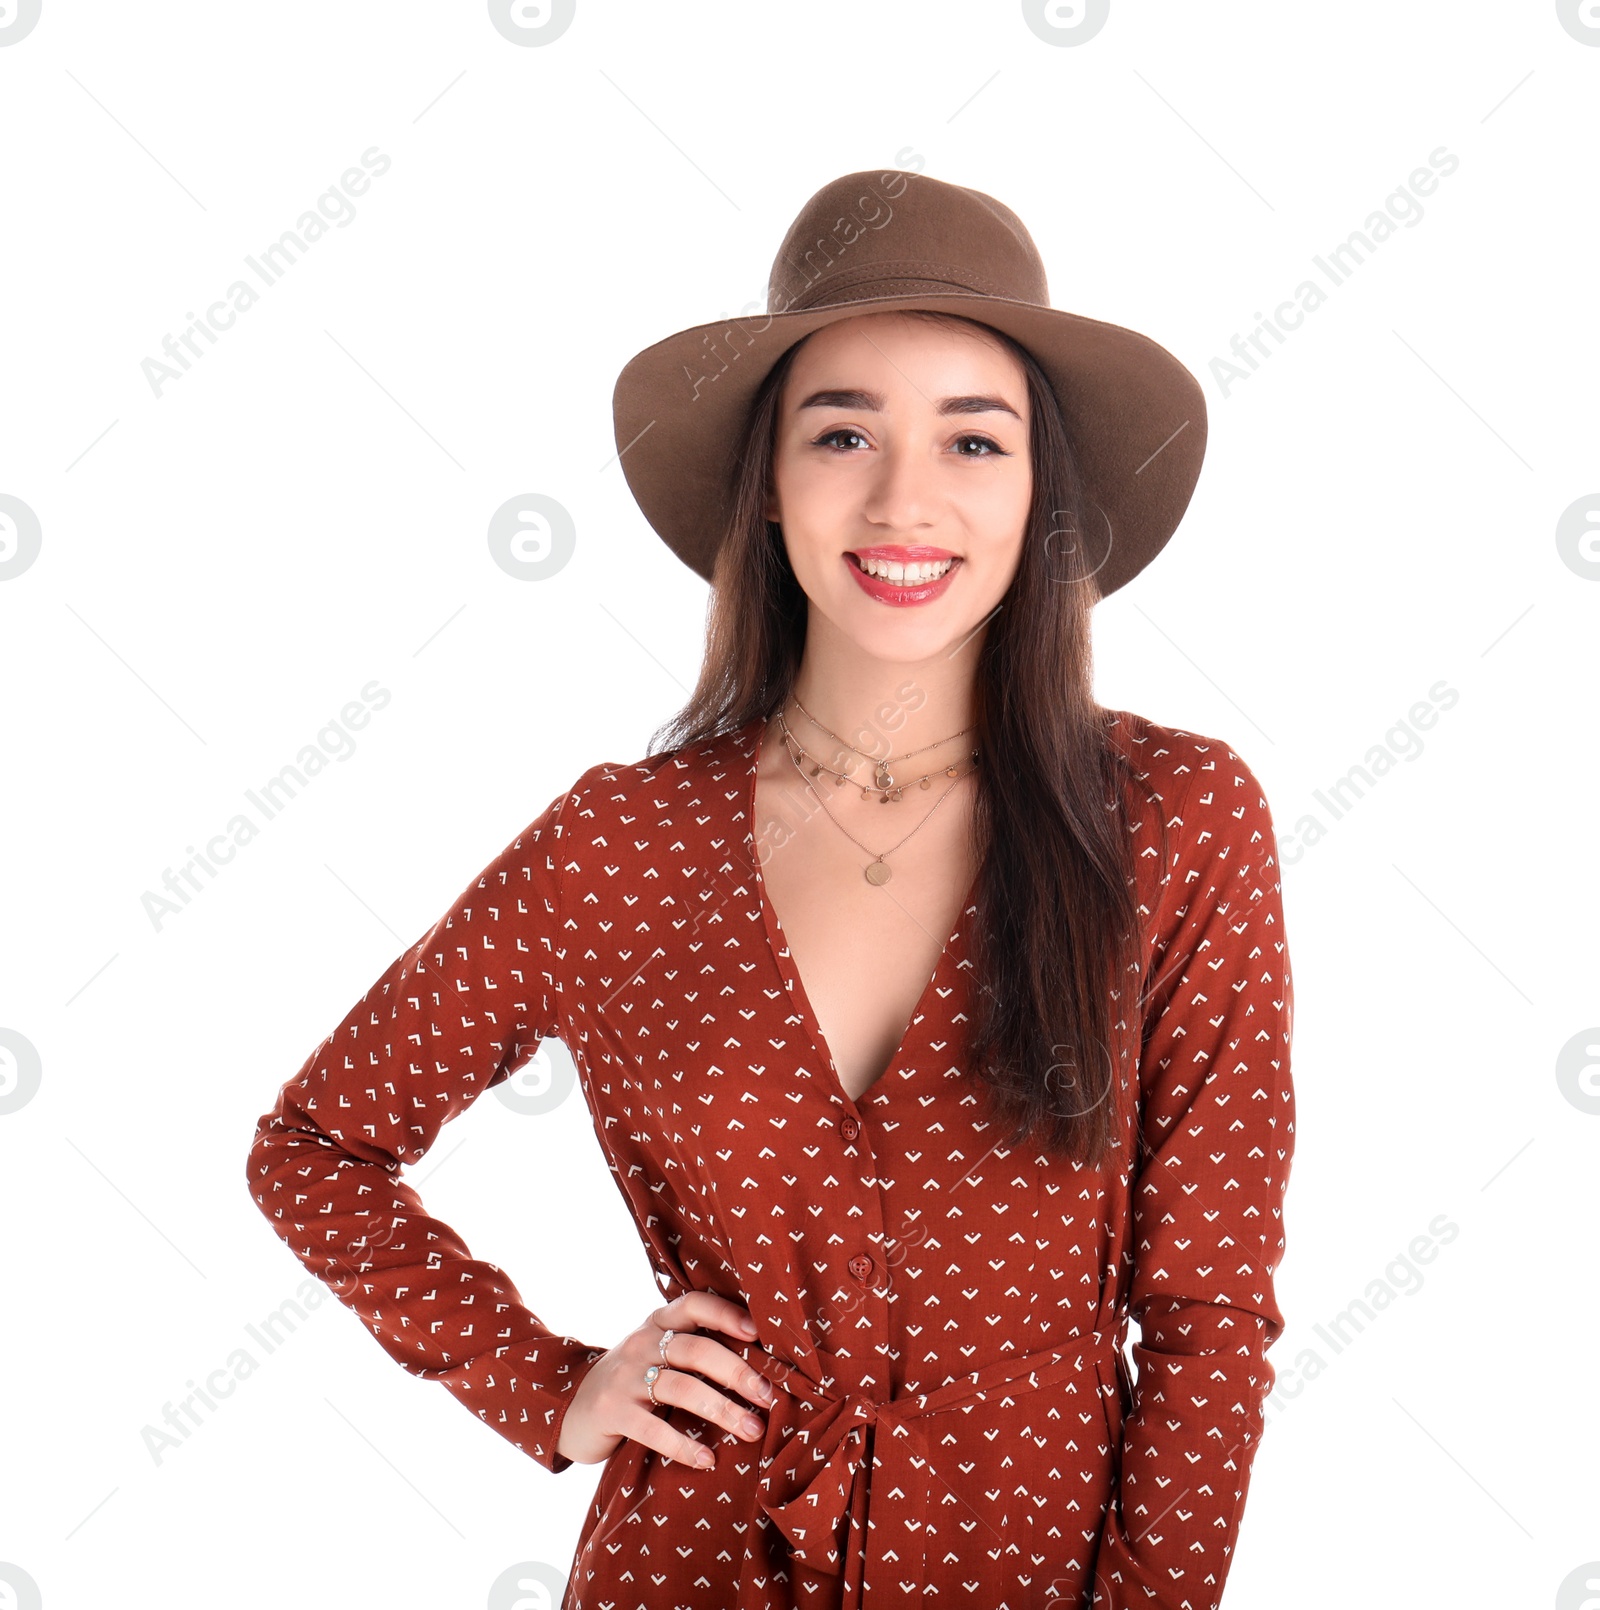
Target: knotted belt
831,1446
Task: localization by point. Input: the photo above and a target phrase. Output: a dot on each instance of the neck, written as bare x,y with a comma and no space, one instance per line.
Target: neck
885,708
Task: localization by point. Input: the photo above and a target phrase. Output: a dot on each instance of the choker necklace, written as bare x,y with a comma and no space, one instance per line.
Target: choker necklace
876,871
883,779
888,796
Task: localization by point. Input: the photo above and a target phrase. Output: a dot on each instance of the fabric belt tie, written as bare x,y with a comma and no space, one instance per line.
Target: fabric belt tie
823,1441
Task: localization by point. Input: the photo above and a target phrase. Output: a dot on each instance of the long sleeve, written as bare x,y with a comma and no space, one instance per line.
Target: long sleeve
453,1015
1217,1127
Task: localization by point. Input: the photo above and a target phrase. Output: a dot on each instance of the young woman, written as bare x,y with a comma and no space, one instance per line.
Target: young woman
934,1019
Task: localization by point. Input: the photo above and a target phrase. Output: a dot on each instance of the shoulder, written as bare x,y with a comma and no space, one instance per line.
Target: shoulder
1199,814
698,782
1172,761
655,845
1185,769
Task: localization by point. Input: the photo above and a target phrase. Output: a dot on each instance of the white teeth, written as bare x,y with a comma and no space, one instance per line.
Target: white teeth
906,575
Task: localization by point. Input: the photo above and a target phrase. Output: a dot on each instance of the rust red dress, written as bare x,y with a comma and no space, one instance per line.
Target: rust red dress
944,1317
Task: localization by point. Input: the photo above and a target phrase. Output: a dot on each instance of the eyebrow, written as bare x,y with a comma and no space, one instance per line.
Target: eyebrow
873,402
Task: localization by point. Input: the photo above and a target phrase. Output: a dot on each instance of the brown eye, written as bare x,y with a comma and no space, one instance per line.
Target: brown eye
994,447
843,430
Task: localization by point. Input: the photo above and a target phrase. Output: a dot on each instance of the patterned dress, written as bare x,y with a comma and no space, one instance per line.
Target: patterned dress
945,1319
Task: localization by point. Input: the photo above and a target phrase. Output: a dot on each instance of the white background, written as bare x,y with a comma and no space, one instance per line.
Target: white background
225,566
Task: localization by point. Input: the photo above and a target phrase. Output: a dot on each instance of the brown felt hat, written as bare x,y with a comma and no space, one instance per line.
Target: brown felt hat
881,242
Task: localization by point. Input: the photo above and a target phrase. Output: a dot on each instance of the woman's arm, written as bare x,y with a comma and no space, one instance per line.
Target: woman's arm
1217,1121
456,1013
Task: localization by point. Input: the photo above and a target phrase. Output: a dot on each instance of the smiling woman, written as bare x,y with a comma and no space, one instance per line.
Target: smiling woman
871,461
918,1103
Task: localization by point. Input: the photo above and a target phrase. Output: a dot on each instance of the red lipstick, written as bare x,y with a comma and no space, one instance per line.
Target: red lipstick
895,593
916,554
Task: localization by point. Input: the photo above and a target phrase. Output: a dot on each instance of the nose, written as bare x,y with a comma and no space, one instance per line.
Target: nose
901,497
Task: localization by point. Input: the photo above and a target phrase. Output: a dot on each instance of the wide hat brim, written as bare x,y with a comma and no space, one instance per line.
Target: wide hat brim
1136,417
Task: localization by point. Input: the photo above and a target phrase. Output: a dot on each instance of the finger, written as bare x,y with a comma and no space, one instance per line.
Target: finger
690,1393
715,1409
707,1309
653,1431
671,1444
705,1355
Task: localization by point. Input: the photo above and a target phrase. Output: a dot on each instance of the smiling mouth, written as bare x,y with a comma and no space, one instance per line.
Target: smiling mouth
916,573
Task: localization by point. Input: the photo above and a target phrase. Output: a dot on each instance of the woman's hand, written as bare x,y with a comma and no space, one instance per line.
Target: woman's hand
613,1401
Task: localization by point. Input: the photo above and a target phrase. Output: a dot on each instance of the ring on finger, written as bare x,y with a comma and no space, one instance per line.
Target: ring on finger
654,1371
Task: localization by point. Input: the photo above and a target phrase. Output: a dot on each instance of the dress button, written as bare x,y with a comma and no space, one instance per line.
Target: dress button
849,1128
861,1266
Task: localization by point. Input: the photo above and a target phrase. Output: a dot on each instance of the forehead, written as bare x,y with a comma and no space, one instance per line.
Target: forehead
895,355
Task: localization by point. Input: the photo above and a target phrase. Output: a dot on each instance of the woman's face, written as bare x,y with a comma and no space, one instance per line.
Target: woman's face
902,443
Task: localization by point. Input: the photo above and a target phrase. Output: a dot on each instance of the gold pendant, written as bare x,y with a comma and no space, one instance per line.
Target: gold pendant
883,777
877,873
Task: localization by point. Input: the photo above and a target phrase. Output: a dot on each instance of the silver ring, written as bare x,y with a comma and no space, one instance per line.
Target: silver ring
655,1370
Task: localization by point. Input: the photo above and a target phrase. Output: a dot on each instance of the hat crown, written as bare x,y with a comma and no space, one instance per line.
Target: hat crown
871,235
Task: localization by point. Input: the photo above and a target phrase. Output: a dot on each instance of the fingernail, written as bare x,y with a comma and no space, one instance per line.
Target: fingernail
747,1325
751,1425
705,1459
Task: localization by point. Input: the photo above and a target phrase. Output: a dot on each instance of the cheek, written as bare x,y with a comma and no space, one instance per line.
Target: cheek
815,504
999,511
808,478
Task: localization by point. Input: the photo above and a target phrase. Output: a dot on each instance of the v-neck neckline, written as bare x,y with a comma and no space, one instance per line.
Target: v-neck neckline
789,969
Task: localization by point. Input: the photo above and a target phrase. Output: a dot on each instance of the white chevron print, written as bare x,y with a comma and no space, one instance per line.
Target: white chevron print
944,1318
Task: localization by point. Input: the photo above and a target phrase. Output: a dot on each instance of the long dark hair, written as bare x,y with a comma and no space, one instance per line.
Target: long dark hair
1056,955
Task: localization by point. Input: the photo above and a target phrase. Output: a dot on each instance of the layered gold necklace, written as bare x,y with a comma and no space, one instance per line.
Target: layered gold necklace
884,784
